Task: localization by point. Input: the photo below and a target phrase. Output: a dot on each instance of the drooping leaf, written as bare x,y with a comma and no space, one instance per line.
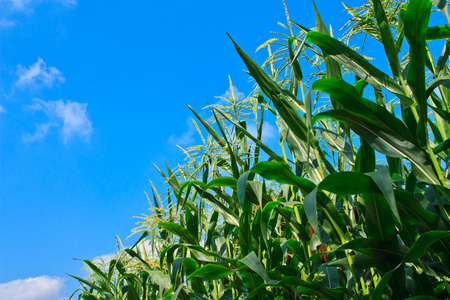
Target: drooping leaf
387,141
444,80
355,62
213,272
349,183
223,181
423,243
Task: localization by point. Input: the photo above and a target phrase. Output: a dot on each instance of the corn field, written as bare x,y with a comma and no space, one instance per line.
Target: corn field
355,205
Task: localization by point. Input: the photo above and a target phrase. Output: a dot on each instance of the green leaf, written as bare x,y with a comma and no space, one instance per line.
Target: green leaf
258,143
97,271
257,188
213,272
133,254
444,146
351,100
442,61
318,288
380,250
416,24
95,287
415,252
281,173
208,127
310,205
423,243
241,186
379,289
332,68
386,37
438,32
279,98
179,231
212,227
265,219
300,151
190,266
386,141
380,223
336,142
382,179
355,62
223,181
349,183
252,261
443,113
228,214
230,150
444,80
320,25
359,262
365,158
294,62
177,291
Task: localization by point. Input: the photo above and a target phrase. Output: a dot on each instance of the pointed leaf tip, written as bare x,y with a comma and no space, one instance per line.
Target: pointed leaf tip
231,39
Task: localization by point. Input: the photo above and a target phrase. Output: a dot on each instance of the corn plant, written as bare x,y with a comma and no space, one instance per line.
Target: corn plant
357,204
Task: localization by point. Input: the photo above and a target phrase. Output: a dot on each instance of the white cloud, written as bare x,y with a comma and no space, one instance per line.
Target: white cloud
38,75
5,23
2,110
37,288
69,116
185,139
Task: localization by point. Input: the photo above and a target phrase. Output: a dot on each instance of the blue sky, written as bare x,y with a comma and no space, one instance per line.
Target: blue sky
91,94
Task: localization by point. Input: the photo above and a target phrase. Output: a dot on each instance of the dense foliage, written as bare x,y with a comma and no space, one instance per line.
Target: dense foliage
355,205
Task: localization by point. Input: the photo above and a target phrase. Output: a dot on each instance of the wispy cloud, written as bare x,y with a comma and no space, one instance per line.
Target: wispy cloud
40,133
19,4
5,23
36,288
38,75
27,5
2,110
68,116
68,2
186,138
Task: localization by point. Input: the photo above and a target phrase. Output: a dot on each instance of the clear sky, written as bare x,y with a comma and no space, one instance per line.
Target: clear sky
93,92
